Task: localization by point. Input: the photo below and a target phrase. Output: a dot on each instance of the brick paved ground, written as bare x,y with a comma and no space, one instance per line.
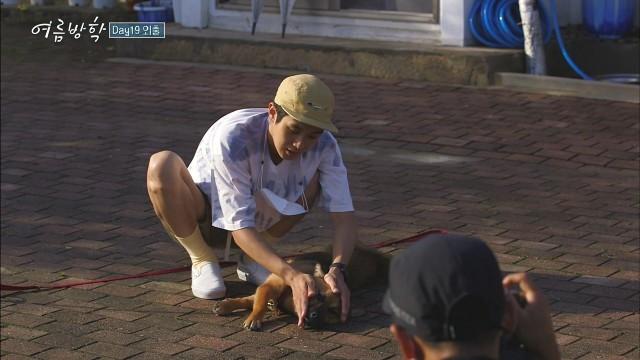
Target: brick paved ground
550,182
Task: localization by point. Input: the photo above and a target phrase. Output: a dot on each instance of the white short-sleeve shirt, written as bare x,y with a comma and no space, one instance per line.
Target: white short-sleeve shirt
227,167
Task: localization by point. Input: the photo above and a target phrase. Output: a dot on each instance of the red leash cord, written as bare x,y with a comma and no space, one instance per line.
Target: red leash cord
223,264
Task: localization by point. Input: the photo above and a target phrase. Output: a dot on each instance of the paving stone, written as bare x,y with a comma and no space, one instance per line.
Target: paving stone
120,290
167,321
308,345
602,281
200,353
54,354
126,327
151,356
257,338
162,347
563,339
209,342
591,333
164,309
367,342
623,325
160,334
26,320
576,319
167,287
601,347
121,314
628,337
625,305
293,330
616,293
218,331
350,352
22,347
78,294
21,333
67,328
210,318
75,317
118,302
114,337
110,350
164,298
259,351
59,340
596,356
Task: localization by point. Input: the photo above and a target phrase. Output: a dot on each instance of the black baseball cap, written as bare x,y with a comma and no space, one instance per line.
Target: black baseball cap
445,287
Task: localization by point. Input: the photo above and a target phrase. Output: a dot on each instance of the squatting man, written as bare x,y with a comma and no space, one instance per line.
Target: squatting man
255,174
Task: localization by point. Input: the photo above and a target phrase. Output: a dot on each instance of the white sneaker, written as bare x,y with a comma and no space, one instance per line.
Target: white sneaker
251,271
207,282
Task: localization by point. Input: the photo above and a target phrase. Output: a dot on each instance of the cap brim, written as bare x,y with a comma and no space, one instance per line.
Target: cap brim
419,328
309,121
398,320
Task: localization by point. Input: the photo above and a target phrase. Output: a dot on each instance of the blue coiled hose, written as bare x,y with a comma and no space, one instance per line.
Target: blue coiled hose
494,23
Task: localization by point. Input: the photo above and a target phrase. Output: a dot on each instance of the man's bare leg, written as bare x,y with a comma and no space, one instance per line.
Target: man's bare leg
176,199
179,204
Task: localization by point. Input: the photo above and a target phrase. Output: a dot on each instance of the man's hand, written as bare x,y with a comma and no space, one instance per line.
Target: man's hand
534,327
335,279
302,287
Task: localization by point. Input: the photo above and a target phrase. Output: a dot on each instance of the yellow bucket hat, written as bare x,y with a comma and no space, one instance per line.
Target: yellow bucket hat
308,100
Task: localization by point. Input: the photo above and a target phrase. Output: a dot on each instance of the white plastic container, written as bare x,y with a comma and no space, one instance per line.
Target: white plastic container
77,2
177,11
195,13
104,4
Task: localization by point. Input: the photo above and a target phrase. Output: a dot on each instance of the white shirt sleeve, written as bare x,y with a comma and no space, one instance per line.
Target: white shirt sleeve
233,184
334,185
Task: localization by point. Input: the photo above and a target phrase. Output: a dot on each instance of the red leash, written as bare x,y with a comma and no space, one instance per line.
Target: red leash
223,264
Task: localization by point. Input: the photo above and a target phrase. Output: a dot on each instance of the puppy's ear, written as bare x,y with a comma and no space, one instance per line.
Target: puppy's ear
318,272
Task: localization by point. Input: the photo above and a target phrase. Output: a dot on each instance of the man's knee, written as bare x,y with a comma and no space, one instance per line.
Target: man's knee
163,171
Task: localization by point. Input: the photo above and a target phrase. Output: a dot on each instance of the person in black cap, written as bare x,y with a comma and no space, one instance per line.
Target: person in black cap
448,300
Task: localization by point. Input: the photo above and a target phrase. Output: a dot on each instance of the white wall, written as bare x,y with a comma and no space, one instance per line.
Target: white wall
454,28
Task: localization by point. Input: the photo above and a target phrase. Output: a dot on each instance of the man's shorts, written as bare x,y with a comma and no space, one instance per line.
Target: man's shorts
213,236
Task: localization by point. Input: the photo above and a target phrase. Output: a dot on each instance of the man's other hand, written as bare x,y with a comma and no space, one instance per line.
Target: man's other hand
534,327
335,279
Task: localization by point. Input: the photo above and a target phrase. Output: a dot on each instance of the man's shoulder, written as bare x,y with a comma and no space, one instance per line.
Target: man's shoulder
326,142
245,113
239,123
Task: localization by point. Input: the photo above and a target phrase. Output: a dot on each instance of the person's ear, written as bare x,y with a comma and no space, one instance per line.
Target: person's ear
510,317
407,344
273,112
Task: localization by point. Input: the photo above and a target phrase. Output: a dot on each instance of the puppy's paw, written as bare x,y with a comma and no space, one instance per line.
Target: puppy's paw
252,324
224,307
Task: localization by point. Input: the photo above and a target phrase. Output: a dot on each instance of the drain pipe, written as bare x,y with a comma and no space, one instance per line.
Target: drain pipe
533,43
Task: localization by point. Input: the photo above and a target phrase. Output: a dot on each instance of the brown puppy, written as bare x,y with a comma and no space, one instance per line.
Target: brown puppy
367,267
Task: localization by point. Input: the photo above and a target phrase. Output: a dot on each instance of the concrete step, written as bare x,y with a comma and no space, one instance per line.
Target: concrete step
377,59
569,87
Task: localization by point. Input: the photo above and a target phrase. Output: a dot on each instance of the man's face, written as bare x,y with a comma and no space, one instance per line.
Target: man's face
291,138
